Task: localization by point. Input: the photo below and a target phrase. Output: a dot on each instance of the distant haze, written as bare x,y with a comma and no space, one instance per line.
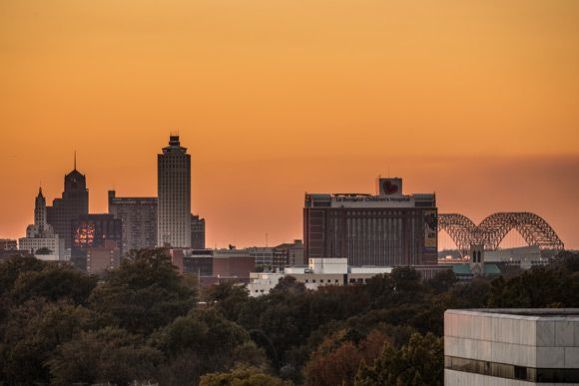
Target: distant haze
477,101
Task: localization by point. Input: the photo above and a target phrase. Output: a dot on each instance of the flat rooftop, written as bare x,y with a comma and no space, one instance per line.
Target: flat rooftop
523,313
532,311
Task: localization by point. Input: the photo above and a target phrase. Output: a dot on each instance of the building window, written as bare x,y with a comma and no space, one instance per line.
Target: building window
520,372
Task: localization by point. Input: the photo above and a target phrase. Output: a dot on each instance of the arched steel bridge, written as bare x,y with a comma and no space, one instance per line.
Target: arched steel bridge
493,229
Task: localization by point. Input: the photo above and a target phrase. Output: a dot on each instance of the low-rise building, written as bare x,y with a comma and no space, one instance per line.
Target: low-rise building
522,257
511,347
289,254
8,245
217,265
319,272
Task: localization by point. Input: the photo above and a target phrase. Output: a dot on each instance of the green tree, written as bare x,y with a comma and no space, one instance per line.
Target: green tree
144,293
242,376
550,286
43,251
54,282
107,355
289,284
442,281
227,297
419,363
32,333
209,341
11,268
337,359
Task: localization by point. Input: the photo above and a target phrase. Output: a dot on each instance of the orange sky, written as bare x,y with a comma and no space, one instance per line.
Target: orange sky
476,100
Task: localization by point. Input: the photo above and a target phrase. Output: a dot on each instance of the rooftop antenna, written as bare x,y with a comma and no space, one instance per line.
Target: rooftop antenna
75,160
266,239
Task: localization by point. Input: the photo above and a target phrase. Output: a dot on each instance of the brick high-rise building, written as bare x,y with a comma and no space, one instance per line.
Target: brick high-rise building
387,229
139,218
197,232
174,196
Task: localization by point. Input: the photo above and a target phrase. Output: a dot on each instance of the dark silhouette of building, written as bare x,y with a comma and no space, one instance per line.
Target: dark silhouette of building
289,254
94,231
8,245
174,196
102,259
74,203
197,232
139,219
387,229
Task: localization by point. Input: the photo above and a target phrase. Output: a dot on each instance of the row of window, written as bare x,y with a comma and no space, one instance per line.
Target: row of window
328,281
503,370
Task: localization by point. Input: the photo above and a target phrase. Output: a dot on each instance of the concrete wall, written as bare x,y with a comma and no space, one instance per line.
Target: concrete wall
537,341
532,341
452,377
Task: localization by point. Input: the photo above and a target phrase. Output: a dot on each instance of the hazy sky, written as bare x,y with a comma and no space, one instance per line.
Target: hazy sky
475,100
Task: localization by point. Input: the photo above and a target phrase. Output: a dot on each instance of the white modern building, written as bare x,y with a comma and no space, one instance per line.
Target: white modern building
41,240
174,196
511,347
320,272
523,257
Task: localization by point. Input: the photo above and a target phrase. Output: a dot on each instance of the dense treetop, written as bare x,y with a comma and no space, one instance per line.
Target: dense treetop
141,323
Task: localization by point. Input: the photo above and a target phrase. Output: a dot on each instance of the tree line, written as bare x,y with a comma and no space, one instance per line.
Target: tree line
144,322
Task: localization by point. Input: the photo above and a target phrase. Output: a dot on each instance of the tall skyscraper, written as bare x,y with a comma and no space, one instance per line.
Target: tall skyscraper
74,203
174,196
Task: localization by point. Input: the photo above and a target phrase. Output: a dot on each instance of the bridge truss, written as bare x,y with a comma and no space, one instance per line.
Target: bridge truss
493,229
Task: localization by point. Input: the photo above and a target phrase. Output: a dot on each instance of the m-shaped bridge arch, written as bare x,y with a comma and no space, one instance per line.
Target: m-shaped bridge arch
493,229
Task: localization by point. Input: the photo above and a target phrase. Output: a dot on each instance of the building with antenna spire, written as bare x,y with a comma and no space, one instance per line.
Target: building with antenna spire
72,204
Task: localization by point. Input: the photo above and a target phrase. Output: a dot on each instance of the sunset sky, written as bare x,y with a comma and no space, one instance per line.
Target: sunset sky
477,101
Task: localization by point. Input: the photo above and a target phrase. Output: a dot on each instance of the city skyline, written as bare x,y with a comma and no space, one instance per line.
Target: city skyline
467,200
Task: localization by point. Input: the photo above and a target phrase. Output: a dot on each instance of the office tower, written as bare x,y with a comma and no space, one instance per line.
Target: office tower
74,203
387,229
95,233
174,196
41,240
139,219
197,232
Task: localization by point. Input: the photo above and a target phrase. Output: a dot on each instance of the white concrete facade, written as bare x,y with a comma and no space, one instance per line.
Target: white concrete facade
33,244
523,257
321,272
523,346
